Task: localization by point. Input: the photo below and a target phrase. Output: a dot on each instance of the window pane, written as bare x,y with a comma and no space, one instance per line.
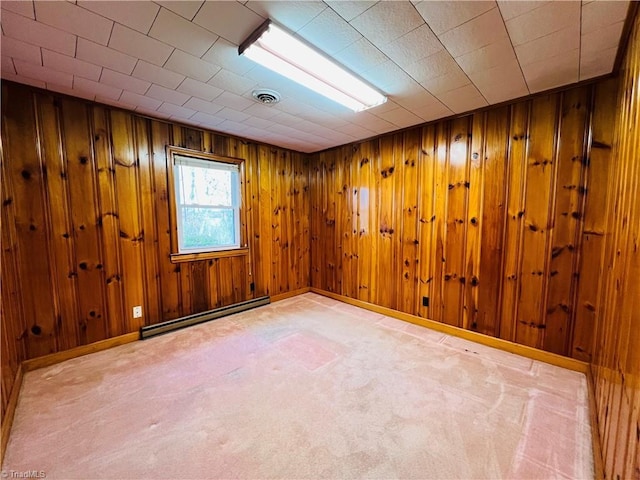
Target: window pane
206,186
207,228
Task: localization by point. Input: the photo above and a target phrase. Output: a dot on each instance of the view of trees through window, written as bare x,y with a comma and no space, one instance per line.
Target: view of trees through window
207,206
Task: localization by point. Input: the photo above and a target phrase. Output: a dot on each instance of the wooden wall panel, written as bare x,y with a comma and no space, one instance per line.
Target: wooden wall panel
611,254
480,217
86,225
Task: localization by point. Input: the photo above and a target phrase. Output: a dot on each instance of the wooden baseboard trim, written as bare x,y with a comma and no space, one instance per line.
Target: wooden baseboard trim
7,420
47,360
529,352
598,462
292,293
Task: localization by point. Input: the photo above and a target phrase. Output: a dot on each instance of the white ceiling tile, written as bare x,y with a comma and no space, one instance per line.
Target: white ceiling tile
203,106
231,20
35,33
191,66
360,56
21,50
71,92
416,99
487,57
350,9
234,101
566,39
483,30
329,32
136,44
413,46
138,15
257,122
199,89
206,119
24,80
125,82
597,63
229,126
463,99
602,39
232,82
175,30
7,65
21,7
455,79
185,8
261,111
374,23
153,74
291,14
44,74
231,114
140,100
443,16
401,117
552,72
542,21
357,131
166,95
596,15
115,103
89,86
436,65
104,56
73,19
226,53
176,111
387,77
152,113
501,82
511,9
71,65
433,112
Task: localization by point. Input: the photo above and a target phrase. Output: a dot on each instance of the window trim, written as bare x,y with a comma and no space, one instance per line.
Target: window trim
176,256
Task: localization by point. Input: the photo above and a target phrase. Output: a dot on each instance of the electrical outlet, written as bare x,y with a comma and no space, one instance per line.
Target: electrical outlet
425,301
137,311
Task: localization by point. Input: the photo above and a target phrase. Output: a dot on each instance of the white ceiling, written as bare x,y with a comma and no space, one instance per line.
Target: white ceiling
178,60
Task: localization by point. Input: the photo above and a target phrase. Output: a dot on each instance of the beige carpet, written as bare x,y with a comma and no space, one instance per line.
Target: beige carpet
303,388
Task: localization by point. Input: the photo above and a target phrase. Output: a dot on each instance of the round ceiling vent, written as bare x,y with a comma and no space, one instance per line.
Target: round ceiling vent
268,97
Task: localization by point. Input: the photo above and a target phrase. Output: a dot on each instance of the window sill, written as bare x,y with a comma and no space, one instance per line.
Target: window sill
194,257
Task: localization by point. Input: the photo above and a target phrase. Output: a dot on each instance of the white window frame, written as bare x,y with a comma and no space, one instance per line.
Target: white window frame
177,156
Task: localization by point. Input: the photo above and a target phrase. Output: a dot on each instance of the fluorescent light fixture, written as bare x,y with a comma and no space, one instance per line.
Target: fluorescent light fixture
274,48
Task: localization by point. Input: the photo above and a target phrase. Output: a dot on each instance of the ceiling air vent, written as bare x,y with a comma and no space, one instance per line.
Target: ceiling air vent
268,97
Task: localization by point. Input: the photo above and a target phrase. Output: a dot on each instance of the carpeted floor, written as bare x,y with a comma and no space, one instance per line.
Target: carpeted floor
304,388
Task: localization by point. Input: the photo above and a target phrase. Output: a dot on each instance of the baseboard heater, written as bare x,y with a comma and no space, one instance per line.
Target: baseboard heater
196,318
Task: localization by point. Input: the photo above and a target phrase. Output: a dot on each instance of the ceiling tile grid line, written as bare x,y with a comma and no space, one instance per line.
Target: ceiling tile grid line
178,60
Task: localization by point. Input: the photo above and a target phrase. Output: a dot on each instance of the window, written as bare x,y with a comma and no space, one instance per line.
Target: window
206,204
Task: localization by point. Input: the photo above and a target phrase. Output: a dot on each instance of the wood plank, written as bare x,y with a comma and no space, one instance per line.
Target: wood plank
494,204
409,230
541,164
474,222
170,298
567,221
387,228
62,249
127,194
426,224
455,224
516,184
27,176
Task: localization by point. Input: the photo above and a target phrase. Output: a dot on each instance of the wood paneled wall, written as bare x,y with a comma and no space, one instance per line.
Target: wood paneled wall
484,215
616,361
85,225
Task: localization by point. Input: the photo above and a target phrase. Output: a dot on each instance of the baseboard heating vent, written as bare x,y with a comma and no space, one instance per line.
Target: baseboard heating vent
190,320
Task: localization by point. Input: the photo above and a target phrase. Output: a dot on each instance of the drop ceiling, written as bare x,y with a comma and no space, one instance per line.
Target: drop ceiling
178,60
